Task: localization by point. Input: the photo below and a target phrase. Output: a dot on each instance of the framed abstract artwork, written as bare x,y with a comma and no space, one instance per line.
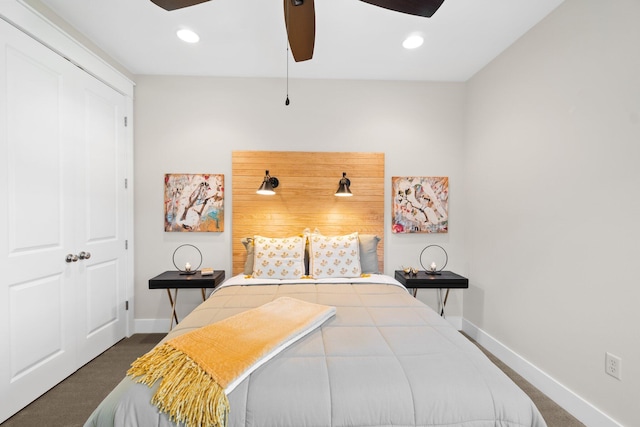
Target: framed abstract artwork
194,202
420,204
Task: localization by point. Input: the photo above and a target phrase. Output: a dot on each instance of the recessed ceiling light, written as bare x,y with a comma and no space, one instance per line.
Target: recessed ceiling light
413,41
188,36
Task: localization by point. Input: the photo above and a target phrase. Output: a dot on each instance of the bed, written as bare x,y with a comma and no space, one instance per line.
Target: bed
384,359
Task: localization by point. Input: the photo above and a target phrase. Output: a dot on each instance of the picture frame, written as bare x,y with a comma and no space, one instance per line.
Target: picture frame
193,202
420,204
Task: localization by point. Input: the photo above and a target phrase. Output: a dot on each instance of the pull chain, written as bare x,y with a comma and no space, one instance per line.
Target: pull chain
286,102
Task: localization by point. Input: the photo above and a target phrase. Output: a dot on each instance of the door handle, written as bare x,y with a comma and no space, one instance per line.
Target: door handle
71,258
84,255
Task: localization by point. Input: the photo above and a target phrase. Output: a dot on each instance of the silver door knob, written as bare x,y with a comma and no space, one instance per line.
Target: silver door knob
84,255
71,258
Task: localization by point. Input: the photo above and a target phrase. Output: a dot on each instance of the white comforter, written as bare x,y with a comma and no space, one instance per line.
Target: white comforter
385,359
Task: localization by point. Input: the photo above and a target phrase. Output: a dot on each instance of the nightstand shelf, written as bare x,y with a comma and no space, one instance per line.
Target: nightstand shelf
177,280
422,280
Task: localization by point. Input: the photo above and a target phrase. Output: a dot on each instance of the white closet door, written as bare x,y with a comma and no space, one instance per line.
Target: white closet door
101,219
37,292
61,186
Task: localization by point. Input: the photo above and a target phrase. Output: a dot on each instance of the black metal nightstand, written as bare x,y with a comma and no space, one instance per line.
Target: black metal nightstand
178,280
422,280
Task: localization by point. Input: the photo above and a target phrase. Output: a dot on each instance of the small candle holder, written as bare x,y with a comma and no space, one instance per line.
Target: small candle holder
410,271
433,267
188,270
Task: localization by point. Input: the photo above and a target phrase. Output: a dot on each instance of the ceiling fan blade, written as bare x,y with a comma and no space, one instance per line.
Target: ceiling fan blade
424,8
300,20
176,4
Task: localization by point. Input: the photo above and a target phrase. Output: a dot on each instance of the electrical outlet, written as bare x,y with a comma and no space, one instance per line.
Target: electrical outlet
612,365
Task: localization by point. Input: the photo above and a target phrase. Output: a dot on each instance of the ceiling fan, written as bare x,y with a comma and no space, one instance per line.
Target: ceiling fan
300,18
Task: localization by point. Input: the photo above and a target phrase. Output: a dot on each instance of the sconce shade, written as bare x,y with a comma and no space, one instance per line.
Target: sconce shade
343,186
268,184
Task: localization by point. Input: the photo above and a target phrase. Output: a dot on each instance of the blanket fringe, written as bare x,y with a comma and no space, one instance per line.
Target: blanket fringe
186,392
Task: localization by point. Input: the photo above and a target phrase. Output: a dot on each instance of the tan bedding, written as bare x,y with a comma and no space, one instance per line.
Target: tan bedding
384,359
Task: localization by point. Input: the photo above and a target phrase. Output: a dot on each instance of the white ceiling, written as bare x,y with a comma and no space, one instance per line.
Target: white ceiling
354,40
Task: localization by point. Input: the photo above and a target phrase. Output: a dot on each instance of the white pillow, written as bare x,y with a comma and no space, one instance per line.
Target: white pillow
278,258
334,256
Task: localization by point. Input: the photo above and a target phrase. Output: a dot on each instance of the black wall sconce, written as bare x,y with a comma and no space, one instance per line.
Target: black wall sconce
343,186
268,184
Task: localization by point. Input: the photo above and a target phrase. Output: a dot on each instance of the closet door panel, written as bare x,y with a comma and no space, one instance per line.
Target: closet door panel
102,185
102,219
38,287
35,153
45,338
102,297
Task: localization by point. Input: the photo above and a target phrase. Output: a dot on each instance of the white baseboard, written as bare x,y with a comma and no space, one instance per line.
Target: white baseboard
571,402
151,326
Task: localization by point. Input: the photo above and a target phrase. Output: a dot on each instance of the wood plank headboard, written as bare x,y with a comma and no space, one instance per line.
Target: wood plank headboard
305,197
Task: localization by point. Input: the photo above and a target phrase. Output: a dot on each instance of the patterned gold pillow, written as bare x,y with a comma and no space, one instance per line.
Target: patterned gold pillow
334,256
278,258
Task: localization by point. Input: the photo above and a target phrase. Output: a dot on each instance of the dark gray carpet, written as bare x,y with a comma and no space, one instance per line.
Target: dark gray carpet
70,403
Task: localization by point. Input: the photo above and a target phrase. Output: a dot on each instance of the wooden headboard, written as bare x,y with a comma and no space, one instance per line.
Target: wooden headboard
305,196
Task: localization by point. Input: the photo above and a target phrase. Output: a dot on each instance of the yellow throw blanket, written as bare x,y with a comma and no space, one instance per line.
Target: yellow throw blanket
198,368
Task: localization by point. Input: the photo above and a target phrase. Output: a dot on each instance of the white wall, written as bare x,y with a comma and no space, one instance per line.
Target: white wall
192,124
552,206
